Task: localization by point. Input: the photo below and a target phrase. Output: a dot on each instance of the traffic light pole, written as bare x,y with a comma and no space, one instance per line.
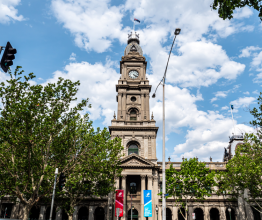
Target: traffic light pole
53,197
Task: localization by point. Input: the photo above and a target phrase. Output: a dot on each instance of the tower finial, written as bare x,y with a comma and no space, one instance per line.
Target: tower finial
114,115
152,116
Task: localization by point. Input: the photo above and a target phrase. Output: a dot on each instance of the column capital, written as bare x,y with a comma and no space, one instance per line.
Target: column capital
124,176
150,177
143,177
116,177
155,178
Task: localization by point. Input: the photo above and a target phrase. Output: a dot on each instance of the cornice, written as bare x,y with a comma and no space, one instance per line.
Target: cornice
138,86
131,128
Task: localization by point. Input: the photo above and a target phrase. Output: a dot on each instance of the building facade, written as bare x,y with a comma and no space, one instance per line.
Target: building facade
135,125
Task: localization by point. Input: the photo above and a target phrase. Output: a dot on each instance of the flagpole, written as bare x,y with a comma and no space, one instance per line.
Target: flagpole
134,26
232,117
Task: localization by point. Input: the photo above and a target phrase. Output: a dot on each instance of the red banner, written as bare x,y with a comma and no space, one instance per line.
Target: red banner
119,202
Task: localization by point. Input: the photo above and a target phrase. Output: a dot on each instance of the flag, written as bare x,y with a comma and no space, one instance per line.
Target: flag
232,107
136,20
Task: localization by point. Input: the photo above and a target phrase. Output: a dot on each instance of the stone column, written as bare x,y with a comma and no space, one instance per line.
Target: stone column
147,107
75,213
117,182
150,187
142,107
190,211
143,184
241,209
114,197
124,106
91,212
119,113
110,203
154,194
125,195
42,212
175,213
206,213
223,212
58,215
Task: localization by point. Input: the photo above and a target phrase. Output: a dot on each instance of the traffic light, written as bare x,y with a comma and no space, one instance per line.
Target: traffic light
8,57
62,180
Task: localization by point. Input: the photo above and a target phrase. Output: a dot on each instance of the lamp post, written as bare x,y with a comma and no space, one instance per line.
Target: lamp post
53,197
229,210
110,212
157,212
177,31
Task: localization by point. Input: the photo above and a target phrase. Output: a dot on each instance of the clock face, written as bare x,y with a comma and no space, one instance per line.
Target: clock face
133,74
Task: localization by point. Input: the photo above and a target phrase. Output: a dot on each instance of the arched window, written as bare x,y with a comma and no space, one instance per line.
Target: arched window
133,188
133,114
133,148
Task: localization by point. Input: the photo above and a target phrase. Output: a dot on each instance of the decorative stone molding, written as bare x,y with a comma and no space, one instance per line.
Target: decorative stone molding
124,176
150,177
143,177
155,178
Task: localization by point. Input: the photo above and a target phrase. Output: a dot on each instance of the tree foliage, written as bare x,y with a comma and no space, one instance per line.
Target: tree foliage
193,182
90,165
226,7
39,132
245,168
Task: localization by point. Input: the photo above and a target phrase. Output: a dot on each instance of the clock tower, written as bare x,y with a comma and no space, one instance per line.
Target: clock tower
133,123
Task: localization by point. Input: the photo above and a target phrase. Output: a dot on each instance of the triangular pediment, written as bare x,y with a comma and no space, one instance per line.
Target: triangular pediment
133,160
133,48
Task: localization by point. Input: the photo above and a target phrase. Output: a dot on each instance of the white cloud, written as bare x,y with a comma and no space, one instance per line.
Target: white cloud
246,93
72,57
225,108
242,102
207,132
243,13
8,12
93,23
246,52
256,92
221,94
97,83
257,60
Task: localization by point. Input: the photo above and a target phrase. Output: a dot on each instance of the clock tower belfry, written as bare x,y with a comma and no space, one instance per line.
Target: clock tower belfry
133,123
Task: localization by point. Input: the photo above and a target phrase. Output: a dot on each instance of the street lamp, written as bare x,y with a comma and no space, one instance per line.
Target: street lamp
110,211
177,31
229,210
157,212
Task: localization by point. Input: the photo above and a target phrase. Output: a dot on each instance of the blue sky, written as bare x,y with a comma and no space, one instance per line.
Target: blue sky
213,63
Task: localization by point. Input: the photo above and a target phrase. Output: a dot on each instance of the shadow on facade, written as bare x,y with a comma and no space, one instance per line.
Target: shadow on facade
47,213
168,214
256,214
180,216
6,210
233,214
199,214
99,213
134,214
34,213
83,213
214,214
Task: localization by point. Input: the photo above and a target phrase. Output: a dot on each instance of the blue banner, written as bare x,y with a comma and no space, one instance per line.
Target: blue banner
147,203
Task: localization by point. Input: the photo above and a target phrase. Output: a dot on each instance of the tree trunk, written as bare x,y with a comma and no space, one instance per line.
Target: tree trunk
70,217
26,210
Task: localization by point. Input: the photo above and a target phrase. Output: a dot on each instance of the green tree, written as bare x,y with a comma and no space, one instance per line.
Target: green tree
90,166
194,181
226,8
245,168
32,118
